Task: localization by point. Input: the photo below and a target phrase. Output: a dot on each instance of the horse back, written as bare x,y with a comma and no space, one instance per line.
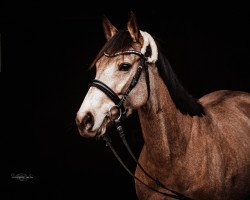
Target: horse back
226,102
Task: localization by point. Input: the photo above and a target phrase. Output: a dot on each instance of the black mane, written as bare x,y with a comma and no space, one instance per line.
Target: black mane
181,98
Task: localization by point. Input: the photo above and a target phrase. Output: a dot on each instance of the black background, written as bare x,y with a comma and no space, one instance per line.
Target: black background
46,50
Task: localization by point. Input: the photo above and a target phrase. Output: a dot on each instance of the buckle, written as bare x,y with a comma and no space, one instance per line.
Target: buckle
114,113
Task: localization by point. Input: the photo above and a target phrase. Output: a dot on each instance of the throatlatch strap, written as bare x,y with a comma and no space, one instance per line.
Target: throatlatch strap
145,66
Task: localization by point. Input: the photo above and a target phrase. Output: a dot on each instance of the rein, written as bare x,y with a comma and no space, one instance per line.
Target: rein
119,104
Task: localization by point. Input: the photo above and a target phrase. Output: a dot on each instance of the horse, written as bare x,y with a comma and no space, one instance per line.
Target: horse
198,148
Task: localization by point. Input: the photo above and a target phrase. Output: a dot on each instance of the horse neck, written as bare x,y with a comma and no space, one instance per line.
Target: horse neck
165,129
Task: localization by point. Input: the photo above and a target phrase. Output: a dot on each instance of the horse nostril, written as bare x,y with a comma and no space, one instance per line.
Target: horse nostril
87,121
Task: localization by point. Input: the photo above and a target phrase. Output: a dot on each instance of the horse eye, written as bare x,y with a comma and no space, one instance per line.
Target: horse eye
124,66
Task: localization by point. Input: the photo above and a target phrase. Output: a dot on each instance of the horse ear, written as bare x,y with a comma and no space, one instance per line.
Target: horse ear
133,28
109,29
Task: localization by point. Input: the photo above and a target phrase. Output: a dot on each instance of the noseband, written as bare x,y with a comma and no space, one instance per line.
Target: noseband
119,104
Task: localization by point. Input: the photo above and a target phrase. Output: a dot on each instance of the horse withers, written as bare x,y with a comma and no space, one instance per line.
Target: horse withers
199,148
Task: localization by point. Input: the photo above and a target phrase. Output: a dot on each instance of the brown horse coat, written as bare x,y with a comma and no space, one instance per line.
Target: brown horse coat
205,157
198,148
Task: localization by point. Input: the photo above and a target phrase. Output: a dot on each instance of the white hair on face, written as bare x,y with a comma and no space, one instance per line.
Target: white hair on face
149,41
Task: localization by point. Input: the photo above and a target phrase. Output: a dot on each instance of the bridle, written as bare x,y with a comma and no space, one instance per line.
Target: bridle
119,104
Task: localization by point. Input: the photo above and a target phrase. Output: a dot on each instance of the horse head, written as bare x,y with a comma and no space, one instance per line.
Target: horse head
125,54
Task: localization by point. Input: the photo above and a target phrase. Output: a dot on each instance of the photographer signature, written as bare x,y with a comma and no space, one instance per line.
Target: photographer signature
21,176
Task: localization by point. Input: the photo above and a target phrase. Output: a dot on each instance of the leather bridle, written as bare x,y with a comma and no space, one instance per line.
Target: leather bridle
119,104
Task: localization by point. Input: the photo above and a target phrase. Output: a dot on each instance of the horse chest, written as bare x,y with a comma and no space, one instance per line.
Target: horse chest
157,170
